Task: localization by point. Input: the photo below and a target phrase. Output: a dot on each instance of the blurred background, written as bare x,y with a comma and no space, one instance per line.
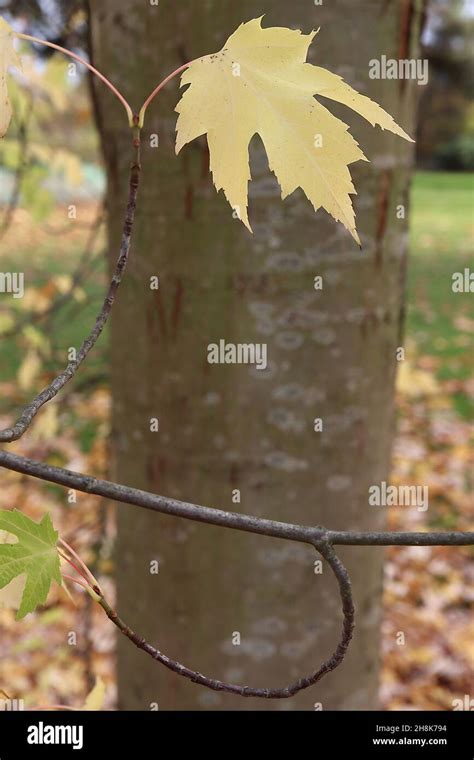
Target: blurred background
52,182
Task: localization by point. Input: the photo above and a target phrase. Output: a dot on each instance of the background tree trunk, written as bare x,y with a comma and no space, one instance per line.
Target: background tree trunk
331,356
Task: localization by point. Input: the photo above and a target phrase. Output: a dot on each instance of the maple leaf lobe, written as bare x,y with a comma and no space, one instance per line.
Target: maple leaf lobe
260,83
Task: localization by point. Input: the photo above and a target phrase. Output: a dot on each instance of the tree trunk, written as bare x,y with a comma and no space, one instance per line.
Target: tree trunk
225,429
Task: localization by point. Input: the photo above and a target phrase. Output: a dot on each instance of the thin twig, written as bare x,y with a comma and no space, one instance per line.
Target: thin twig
29,413
85,572
85,63
141,116
73,565
284,692
76,580
235,520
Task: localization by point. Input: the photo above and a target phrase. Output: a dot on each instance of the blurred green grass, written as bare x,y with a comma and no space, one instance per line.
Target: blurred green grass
439,321
57,257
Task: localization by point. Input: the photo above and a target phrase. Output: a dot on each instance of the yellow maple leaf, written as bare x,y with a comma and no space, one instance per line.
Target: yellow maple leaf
8,57
260,83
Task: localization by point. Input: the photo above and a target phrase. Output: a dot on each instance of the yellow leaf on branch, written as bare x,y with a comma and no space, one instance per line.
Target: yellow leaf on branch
260,83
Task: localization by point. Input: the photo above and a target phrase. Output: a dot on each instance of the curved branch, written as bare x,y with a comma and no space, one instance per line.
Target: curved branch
343,580
321,538
29,413
235,520
150,98
83,62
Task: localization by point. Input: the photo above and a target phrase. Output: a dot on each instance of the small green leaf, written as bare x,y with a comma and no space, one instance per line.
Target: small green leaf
34,555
